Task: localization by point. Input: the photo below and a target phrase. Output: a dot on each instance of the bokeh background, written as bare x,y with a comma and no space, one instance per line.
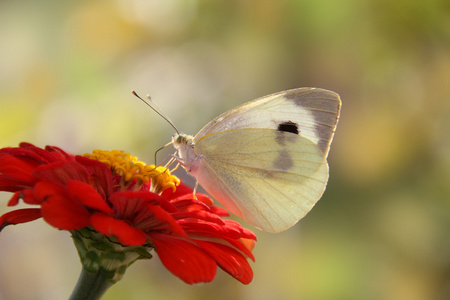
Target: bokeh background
381,230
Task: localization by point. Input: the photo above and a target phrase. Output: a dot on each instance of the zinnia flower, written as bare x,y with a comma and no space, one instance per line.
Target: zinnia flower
118,209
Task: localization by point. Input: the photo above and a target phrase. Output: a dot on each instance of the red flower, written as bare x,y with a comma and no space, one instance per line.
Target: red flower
115,196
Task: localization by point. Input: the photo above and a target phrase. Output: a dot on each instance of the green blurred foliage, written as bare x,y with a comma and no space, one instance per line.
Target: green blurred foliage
381,229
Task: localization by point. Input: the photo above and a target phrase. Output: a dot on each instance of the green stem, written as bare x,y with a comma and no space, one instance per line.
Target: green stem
91,285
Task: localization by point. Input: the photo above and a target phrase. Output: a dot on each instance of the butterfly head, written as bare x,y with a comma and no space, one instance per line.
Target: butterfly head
184,144
181,140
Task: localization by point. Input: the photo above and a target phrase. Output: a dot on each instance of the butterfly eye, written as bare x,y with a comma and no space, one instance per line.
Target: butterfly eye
179,139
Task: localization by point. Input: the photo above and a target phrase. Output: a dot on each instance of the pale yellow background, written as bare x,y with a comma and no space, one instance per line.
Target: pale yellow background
381,231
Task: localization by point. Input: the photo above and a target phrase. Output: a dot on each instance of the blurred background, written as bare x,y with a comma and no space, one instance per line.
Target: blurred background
381,230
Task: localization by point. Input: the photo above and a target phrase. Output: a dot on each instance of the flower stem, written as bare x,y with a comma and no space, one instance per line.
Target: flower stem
91,285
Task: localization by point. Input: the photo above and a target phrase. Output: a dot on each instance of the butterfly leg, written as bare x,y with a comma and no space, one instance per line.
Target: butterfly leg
194,194
174,156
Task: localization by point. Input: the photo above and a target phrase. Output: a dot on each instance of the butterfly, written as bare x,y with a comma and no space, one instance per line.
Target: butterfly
266,160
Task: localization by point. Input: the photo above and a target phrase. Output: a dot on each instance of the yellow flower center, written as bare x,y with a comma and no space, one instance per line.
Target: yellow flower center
130,168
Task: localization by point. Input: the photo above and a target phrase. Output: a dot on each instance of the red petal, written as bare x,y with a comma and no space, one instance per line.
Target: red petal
100,172
184,259
47,155
65,213
210,229
125,204
205,199
13,185
245,233
128,203
249,244
19,216
58,153
28,197
199,214
200,197
220,211
62,172
248,234
15,199
166,218
180,191
16,169
88,196
244,245
28,156
229,260
126,234
42,191
190,205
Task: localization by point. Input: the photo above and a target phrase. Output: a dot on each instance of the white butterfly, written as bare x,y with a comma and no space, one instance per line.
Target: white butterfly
265,160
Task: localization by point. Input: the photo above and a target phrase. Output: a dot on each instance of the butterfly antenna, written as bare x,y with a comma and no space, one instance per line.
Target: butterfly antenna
157,110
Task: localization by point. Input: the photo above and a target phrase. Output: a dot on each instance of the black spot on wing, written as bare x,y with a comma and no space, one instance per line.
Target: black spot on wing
324,106
286,132
288,126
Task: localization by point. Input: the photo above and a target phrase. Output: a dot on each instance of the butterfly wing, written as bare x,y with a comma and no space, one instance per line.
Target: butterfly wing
310,112
268,177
